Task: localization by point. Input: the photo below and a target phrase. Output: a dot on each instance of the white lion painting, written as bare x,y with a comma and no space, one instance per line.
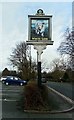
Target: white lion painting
40,28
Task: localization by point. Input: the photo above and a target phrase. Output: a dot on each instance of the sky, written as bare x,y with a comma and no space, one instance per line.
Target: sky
14,26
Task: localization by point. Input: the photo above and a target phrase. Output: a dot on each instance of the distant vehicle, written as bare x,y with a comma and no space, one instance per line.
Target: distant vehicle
43,80
12,80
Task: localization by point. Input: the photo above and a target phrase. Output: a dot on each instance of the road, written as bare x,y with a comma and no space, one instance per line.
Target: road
11,95
66,89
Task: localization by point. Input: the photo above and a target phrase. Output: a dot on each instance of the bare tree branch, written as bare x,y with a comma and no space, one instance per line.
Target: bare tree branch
67,46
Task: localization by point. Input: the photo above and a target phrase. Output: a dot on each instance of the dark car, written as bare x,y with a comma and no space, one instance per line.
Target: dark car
12,80
43,80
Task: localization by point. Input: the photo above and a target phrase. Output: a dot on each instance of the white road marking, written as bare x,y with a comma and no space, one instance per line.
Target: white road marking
7,100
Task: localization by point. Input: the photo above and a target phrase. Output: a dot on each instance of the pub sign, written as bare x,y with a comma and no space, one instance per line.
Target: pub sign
39,27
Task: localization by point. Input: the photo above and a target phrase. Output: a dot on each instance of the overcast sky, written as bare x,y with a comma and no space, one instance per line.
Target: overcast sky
14,26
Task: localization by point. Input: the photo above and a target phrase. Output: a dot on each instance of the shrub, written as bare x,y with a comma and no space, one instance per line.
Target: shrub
35,97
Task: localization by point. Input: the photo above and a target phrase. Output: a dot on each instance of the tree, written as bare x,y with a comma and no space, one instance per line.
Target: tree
20,58
58,64
67,47
65,77
57,75
59,68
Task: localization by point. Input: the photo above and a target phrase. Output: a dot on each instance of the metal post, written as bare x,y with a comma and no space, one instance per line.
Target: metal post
39,70
39,74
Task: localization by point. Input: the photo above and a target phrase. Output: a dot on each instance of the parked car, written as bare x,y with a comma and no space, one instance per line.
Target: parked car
12,80
3,78
43,80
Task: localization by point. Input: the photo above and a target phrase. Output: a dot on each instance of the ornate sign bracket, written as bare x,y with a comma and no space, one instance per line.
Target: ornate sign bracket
39,49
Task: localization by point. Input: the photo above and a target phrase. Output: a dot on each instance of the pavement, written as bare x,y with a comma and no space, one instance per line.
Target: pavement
9,104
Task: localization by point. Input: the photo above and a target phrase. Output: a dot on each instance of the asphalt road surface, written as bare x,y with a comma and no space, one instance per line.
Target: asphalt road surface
10,95
66,89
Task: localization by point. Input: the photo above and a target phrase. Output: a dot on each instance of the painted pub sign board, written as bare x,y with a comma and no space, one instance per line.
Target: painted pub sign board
40,27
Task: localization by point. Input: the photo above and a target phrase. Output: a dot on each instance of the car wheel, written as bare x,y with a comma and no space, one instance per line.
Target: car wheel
2,81
21,84
6,83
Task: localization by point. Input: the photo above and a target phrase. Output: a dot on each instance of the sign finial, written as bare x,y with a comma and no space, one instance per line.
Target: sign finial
40,12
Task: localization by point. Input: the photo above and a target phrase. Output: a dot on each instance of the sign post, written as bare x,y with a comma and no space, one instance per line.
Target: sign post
39,49
39,35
